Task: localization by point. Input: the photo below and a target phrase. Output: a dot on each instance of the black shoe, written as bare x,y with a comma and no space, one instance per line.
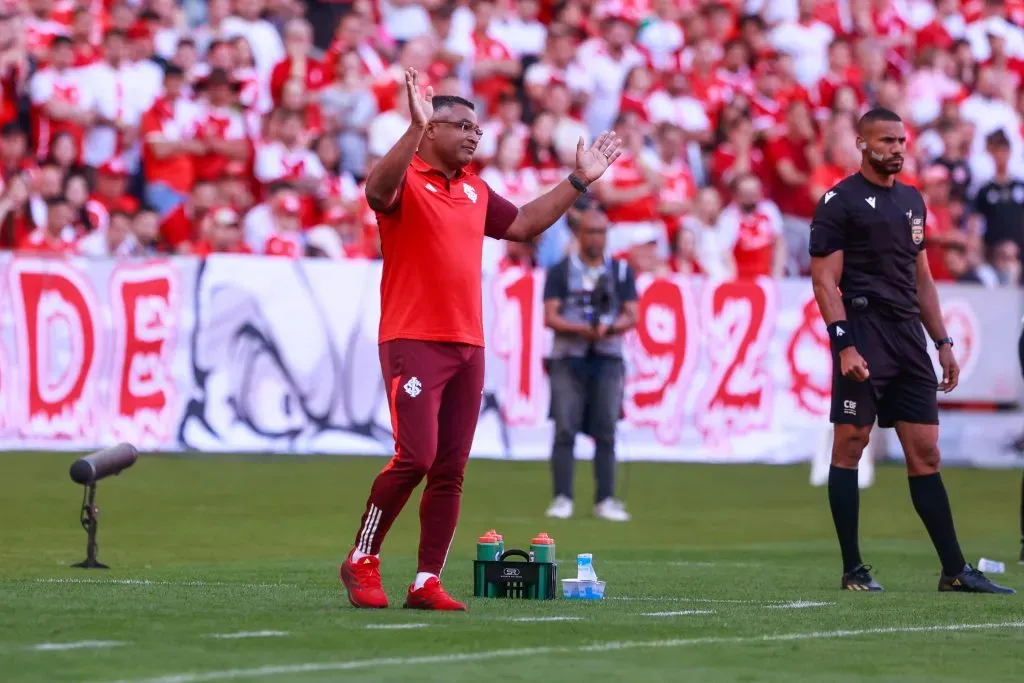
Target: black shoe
860,580
970,580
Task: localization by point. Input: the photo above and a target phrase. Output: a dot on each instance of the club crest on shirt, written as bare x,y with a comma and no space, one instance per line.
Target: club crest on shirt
916,228
470,192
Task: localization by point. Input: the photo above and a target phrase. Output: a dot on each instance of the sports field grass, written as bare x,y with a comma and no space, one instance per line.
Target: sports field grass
725,574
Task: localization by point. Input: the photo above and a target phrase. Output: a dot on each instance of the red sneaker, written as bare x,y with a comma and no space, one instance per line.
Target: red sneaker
362,581
434,597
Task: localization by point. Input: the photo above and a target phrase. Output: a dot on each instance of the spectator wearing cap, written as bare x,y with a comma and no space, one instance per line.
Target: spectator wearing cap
1001,200
493,65
260,34
222,234
169,145
751,228
218,125
286,237
60,97
589,303
297,64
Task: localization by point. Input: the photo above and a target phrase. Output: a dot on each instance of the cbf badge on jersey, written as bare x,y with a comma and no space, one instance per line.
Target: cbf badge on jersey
916,228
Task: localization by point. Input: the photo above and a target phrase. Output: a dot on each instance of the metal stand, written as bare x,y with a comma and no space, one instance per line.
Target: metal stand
90,522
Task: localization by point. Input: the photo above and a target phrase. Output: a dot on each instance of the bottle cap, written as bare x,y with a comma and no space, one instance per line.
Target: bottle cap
543,539
489,537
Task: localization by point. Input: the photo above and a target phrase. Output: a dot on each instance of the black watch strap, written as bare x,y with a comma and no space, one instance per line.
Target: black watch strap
577,183
944,340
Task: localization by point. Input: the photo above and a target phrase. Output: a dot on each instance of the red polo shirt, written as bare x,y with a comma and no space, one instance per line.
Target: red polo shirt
432,240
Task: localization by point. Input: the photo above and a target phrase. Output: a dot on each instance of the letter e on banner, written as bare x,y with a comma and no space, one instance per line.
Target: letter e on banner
55,325
145,308
739,320
663,355
517,340
809,359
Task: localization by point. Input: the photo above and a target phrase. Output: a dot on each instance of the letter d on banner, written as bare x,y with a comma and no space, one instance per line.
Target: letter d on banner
57,348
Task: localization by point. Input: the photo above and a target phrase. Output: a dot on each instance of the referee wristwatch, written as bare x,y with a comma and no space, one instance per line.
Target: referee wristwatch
945,340
575,181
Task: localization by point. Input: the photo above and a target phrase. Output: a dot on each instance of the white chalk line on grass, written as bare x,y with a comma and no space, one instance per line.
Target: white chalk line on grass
78,645
147,582
529,619
248,634
610,646
799,604
387,627
629,598
681,613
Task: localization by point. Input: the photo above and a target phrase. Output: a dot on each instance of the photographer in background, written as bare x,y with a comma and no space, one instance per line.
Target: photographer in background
589,303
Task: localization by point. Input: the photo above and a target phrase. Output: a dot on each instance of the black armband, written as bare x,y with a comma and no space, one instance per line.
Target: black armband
839,335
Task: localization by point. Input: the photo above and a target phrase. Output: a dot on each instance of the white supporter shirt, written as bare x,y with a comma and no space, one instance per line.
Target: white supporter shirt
149,83
69,87
662,39
575,76
116,96
988,116
808,45
384,131
520,37
687,112
609,77
274,161
264,41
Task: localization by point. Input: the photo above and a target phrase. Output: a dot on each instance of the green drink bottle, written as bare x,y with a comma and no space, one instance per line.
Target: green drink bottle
486,549
542,548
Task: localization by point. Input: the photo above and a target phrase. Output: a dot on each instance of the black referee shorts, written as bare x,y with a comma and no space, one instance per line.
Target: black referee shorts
902,386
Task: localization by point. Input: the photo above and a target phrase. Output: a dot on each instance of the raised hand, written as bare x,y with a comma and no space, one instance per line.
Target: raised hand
592,163
420,108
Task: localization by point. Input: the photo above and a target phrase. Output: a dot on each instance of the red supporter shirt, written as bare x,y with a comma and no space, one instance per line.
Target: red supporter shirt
791,201
432,240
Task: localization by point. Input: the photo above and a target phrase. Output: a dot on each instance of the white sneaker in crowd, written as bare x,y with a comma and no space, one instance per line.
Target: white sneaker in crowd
611,510
560,508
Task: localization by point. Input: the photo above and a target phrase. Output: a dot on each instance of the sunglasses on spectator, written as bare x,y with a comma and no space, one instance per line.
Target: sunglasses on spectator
464,126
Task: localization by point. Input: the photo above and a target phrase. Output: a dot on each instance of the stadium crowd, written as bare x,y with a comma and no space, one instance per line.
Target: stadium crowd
137,127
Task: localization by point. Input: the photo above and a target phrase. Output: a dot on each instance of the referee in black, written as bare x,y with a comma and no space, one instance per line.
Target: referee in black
874,289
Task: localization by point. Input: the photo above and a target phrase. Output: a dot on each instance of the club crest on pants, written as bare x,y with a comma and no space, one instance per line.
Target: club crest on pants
917,229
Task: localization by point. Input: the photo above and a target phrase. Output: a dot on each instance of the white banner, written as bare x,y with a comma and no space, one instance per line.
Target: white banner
239,353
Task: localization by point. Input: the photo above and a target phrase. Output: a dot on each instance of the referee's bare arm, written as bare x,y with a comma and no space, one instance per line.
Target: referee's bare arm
928,299
385,180
826,271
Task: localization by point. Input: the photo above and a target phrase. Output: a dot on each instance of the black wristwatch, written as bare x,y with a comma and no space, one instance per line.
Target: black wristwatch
577,183
946,340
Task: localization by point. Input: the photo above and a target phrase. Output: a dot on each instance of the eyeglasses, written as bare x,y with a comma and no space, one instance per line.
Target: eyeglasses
465,126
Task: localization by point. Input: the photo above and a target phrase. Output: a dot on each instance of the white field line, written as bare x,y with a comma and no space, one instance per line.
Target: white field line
396,627
147,582
609,646
529,619
707,600
248,634
78,645
799,604
682,613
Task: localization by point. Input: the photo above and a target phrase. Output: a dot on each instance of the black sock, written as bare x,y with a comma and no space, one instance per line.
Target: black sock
844,499
932,505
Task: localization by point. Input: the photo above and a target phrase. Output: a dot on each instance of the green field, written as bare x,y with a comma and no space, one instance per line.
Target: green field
725,574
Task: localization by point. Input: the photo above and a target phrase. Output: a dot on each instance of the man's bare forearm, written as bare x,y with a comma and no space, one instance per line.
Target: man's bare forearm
386,177
825,272
540,214
931,311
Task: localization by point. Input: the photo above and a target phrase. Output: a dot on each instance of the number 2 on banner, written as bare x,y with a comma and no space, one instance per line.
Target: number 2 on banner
737,397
